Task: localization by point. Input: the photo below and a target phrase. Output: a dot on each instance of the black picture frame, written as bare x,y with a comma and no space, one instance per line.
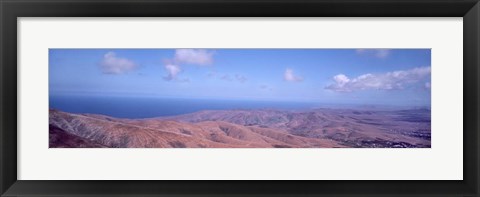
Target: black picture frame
10,10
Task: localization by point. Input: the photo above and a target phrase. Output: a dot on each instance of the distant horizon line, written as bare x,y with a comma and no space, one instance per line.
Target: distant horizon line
243,99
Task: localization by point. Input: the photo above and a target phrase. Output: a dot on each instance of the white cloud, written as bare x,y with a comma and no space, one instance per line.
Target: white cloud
194,56
341,79
187,56
380,53
111,64
386,81
227,77
173,71
290,76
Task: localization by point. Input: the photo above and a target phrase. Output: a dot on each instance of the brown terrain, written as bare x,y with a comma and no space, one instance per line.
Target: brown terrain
320,128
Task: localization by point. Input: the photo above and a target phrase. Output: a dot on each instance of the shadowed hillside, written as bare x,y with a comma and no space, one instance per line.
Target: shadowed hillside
61,139
324,128
150,133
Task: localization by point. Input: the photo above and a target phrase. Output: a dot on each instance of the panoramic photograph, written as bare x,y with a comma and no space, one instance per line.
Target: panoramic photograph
239,98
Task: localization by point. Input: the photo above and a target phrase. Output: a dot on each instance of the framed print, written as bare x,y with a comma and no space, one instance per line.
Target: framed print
257,98
239,106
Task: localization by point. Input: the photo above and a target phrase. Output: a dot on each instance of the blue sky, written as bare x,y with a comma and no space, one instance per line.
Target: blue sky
332,76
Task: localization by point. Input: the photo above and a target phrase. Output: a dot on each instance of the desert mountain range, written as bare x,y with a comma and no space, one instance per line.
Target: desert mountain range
319,128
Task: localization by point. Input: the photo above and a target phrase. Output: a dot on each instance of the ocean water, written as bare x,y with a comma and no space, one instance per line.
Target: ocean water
133,107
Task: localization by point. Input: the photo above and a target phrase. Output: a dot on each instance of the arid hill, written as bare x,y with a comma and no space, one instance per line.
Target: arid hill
151,133
324,128
61,139
354,128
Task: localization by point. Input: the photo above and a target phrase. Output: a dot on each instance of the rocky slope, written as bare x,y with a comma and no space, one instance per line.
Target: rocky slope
106,131
353,128
58,138
246,129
